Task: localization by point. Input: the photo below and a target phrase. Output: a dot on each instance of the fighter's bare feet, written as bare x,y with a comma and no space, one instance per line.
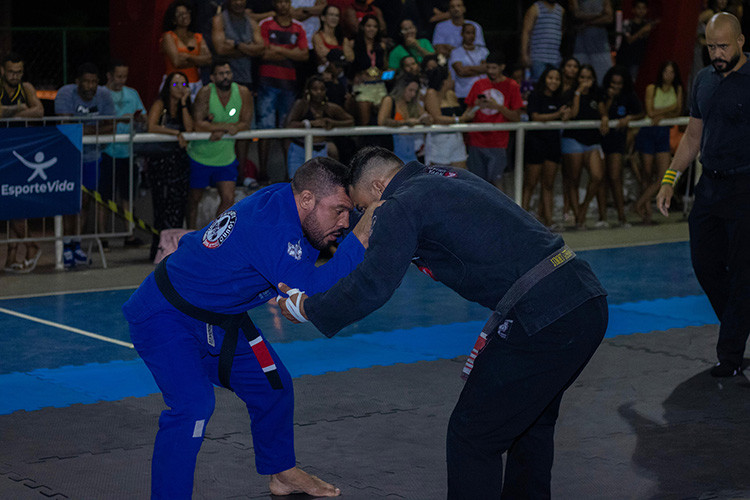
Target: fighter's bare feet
296,480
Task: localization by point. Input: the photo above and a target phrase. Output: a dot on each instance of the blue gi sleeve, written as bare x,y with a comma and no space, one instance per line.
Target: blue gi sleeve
392,245
283,266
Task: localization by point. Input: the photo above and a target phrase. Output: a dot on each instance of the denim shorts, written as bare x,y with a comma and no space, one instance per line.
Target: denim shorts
202,176
273,106
570,146
295,157
90,175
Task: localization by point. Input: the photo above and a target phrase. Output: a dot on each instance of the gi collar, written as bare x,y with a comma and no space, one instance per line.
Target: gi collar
407,172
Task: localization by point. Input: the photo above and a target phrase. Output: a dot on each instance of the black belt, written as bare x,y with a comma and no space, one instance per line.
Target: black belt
517,290
230,323
724,174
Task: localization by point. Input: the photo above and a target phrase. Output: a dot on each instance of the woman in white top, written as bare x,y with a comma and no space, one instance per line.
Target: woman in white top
442,105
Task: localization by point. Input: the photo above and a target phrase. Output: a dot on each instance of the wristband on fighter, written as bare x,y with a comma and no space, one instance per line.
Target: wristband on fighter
670,177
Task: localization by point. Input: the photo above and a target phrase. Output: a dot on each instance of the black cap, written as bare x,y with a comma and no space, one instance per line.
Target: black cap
336,56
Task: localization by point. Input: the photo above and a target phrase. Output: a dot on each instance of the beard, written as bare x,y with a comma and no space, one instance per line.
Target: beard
723,66
314,232
224,84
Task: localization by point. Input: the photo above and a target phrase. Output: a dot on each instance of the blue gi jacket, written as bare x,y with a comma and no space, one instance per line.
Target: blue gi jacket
463,232
235,263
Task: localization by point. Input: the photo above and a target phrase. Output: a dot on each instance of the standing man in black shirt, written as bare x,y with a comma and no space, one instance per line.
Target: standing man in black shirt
719,128
549,311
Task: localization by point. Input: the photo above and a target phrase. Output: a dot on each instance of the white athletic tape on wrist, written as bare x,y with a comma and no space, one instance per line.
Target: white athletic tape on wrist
293,306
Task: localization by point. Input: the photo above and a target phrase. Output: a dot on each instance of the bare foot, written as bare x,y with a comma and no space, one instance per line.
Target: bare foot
296,480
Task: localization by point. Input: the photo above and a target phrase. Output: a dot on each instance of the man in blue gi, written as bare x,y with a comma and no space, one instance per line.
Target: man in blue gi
185,320
549,311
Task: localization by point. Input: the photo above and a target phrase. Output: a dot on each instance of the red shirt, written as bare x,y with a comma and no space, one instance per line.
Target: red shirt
507,93
281,74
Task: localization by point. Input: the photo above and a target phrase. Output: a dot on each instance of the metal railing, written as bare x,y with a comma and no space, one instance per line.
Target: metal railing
519,128
51,228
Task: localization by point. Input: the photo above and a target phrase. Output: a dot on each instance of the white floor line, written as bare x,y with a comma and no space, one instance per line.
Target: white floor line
67,292
67,328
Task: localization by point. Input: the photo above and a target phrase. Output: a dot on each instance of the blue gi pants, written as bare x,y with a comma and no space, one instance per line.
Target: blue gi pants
176,350
510,403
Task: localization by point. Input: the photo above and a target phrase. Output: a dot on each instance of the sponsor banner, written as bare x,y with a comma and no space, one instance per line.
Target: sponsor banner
40,171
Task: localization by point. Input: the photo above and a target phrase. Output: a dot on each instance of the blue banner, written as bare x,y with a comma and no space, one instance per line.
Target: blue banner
40,171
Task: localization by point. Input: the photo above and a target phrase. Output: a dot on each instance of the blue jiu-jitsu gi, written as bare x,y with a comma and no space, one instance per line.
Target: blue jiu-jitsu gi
229,267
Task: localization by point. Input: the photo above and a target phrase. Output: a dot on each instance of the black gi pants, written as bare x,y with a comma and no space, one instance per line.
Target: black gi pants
510,403
720,252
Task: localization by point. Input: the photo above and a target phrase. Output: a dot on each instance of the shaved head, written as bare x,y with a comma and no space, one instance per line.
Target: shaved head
724,41
723,21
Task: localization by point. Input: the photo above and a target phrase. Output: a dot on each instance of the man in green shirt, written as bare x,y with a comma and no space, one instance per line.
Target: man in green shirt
221,107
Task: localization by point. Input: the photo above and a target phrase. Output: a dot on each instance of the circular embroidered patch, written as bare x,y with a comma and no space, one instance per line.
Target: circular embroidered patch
220,229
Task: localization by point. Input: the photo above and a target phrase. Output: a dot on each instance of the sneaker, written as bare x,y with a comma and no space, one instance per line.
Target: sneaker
602,224
722,370
79,255
133,242
68,261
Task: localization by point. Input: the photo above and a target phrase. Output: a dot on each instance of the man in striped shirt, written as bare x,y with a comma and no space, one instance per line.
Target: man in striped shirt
541,36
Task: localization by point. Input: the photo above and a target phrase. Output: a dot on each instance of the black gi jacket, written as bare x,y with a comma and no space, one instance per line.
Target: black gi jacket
463,232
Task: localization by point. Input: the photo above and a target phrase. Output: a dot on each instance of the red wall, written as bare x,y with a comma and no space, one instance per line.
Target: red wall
135,29
673,38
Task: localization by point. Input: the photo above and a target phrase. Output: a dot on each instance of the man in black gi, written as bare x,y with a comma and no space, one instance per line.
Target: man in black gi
550,311
719,128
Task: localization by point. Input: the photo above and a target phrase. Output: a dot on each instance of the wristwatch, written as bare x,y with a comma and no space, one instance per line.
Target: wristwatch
236,44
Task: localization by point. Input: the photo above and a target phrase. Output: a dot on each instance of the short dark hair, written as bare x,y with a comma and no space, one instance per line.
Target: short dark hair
496,57
218,61
320,175
362,161
86,68
115,63
13,57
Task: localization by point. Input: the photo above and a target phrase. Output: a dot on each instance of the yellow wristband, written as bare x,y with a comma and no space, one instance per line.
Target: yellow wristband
670,177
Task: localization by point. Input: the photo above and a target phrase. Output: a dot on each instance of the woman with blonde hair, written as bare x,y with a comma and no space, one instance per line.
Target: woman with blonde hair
402,108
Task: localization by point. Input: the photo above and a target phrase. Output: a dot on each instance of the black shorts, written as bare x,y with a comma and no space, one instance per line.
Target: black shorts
539,150
614,142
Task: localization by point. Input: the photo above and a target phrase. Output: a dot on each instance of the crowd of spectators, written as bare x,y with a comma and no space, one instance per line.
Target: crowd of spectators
312,63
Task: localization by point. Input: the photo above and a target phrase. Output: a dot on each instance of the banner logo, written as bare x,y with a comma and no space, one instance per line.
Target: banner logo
38,165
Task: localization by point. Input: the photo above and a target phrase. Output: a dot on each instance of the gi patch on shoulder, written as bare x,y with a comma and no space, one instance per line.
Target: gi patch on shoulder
295,250
220,229
444,172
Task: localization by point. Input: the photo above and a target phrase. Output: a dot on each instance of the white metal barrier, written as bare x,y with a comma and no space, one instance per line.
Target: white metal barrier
520,128
307,134
52,227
